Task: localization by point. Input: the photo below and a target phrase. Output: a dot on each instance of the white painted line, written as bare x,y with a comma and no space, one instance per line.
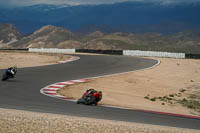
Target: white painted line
81,81
52,88
57,85
158,63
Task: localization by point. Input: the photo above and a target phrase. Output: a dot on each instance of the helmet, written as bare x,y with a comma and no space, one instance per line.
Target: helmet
90,90
15,66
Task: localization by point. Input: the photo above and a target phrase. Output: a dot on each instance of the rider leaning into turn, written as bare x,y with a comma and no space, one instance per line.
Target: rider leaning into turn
94,92
12,70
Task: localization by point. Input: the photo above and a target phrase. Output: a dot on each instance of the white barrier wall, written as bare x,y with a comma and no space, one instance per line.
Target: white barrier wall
153,54
51,50
125,52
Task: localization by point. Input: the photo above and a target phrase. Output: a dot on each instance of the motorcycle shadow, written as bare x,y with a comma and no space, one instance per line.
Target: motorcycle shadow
11,81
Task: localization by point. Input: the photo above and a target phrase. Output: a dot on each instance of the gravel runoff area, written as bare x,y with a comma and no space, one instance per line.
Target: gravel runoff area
16,121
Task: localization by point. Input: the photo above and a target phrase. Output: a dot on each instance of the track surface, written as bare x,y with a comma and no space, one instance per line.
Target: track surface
23,92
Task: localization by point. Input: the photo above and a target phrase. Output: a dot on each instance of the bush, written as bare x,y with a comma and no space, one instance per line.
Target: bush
192,104
182,90
153,99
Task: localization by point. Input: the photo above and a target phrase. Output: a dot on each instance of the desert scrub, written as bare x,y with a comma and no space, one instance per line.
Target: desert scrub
170,99
194,96
153,99
182,90
147,97
171,95
191,103
166,99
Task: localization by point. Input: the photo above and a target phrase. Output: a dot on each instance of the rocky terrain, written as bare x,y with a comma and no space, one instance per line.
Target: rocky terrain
15,121
8,34
58,37
48,36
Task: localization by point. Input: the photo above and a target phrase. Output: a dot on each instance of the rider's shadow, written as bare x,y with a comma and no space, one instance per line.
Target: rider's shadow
11,81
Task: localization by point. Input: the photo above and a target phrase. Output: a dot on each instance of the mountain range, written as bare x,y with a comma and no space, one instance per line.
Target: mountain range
131,17
58,37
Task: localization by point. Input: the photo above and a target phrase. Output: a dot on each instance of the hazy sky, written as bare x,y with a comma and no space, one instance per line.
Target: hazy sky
76,2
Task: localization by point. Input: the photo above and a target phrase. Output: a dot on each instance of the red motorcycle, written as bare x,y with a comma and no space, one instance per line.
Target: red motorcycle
90,97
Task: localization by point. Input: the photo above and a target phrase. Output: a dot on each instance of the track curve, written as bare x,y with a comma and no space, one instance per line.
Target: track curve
24,92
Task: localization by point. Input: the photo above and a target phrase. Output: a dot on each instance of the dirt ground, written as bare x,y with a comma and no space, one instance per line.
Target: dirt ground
25,59
16,121
129,90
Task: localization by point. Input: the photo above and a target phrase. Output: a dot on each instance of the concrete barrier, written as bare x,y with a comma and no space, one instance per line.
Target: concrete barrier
115,52
153,54
51,50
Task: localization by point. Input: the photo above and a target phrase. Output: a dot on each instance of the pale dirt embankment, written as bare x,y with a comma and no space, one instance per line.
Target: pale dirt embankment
128,90
168,77
26,59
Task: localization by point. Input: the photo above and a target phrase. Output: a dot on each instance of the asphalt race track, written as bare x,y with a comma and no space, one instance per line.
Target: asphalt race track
23,92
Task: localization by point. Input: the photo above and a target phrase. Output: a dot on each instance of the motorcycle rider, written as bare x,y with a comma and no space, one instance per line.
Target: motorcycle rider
90,97
12,71
97,94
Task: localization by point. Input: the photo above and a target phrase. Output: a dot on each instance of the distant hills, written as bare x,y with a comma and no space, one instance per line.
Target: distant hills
9,34
57,37
127,25
130,17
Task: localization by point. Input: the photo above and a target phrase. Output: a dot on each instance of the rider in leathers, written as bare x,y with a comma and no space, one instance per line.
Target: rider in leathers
12,71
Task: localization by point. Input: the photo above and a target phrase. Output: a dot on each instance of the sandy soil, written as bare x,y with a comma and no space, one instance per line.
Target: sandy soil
129,90
15,121
26,59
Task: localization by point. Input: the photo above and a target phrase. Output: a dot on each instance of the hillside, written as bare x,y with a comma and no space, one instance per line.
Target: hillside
58,37
48,36
8,34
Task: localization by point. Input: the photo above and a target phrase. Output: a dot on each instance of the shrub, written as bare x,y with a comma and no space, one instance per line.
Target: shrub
153,99
182,90
192,104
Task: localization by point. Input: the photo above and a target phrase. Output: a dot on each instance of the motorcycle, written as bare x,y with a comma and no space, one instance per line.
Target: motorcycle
7,75
90,98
